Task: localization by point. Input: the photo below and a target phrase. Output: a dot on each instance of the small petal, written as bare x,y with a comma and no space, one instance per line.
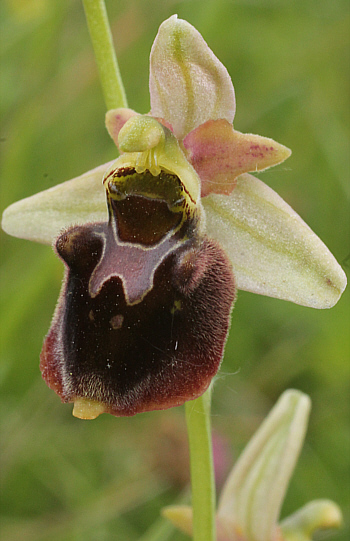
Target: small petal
188,84
43,216
220,154
254,492
314,516
115,120
273,252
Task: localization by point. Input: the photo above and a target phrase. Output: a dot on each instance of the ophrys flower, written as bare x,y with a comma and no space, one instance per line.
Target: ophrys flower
145,305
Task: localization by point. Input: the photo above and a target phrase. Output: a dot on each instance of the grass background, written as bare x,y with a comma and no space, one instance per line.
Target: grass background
68,480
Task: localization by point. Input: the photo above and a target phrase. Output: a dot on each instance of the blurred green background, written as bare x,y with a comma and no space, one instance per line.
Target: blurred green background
64,479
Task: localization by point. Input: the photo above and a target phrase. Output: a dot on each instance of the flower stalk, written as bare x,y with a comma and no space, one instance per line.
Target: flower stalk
202,470
102,41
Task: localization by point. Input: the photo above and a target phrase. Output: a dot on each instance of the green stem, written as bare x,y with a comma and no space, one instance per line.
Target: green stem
202,471
101,37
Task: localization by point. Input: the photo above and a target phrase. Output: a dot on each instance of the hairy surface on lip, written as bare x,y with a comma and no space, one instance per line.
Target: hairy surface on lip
154,354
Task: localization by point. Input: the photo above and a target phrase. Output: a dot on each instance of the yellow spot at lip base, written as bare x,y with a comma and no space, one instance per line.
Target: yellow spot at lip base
87,409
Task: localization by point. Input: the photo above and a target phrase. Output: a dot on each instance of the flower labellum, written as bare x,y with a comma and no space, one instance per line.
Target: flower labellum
144,309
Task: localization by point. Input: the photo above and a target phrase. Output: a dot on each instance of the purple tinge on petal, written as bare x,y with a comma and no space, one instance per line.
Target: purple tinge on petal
188,84
154,354
220,154
115,120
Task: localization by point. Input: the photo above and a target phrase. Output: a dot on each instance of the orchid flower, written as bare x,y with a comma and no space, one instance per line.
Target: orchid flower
151,277
251,499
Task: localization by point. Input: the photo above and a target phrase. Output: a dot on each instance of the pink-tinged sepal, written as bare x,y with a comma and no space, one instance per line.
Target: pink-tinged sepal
220,154
109,356
188,84
115,120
